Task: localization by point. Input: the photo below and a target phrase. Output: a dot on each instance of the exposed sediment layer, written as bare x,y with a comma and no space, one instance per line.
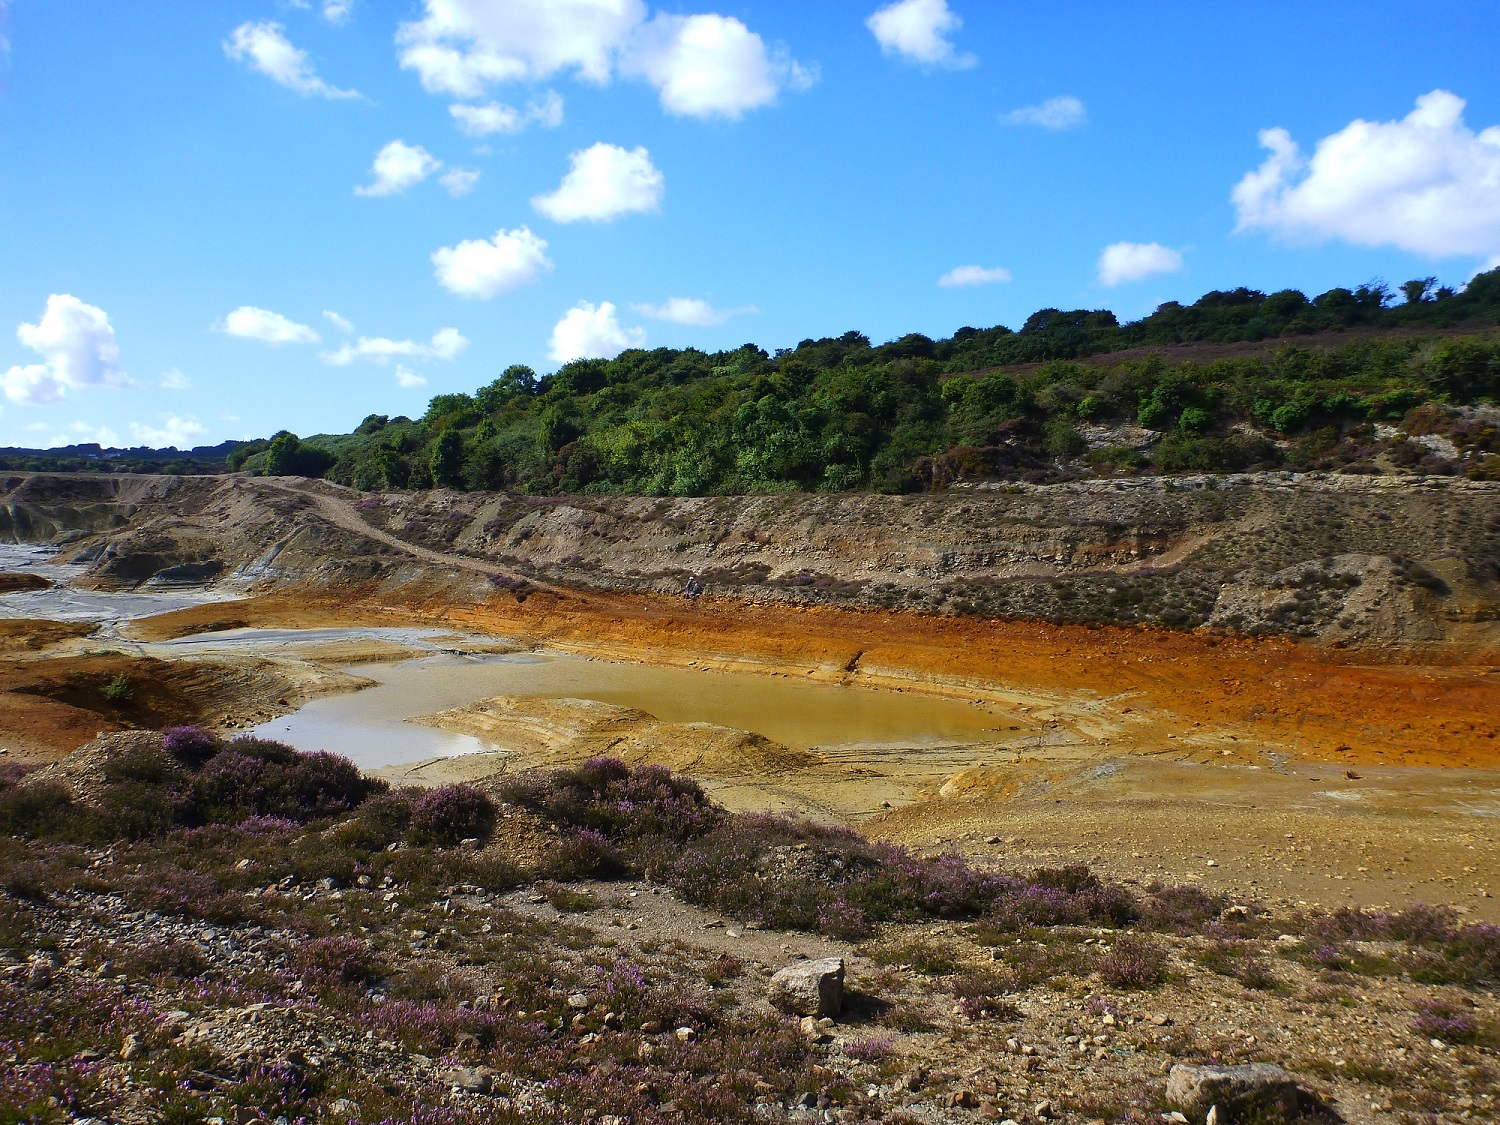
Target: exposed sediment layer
1367,562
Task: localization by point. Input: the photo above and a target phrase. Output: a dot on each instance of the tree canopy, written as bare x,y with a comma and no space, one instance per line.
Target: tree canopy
1048,401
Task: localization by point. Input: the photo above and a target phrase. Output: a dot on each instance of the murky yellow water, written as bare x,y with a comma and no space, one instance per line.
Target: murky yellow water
370,726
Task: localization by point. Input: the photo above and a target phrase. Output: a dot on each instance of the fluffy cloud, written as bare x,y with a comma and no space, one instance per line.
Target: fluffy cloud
973,275
397,167
1132,261
1065,112
250,323
408,378
481,268
918,30
339,322
587,331
175,380
446,343
263,47
459,181
603,183
710,66
174,431
691,311
1427,183
495,117
78,349
702,65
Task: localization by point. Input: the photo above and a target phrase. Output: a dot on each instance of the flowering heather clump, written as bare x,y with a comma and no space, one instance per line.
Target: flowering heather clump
1133,962
1437,1019
190,745
169,889
606,795
872,1050
584,854
337,960
1180,910
981,996
1420,925
1443,951
256,777
449,814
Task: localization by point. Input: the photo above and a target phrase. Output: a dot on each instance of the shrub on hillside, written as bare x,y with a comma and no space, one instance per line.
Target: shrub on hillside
446,815
35,811
337,960
1133,962
255,777
190,745
606,795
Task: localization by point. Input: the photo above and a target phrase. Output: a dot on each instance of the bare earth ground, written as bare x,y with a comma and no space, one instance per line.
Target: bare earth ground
1145,753
1292,775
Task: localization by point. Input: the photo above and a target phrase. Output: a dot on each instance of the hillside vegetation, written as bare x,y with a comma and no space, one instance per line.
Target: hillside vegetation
840,414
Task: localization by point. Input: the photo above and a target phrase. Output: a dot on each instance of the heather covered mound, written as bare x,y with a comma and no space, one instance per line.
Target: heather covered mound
194,928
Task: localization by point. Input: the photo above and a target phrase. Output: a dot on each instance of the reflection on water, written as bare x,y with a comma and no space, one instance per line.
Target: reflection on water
369,725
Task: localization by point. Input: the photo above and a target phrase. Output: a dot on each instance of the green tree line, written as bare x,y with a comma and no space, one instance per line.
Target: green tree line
841,414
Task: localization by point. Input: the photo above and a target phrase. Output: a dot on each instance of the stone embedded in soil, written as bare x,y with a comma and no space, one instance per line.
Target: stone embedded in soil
1239,1092
812,988
473,1080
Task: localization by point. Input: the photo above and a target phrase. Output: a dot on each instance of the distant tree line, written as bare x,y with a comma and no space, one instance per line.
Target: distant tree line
841,414
90,457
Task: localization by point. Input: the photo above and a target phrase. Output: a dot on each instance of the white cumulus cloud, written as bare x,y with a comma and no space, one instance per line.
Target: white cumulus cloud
1427,183
496,117
918,30
446,343
459,181
692,311
78,349
1066,112
481,268
397,167
264,47
701,65
973,275
251,323
710,66
339,322
174,431
603,183
1132,261
405,377
588,331
337,11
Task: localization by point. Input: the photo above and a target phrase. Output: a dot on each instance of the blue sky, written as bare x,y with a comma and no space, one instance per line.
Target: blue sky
189,187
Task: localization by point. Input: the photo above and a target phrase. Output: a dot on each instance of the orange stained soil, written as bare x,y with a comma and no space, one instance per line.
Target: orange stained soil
1204,693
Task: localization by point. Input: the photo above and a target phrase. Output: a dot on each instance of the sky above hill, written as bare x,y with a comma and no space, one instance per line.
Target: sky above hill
219,218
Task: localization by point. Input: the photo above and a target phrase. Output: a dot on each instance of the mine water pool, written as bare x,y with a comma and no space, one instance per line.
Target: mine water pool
67,603
370,726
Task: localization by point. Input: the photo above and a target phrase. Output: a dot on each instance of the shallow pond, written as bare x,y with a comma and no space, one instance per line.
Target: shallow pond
369,726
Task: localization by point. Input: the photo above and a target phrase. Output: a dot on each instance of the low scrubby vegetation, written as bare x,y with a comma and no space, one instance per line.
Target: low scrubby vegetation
191,890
